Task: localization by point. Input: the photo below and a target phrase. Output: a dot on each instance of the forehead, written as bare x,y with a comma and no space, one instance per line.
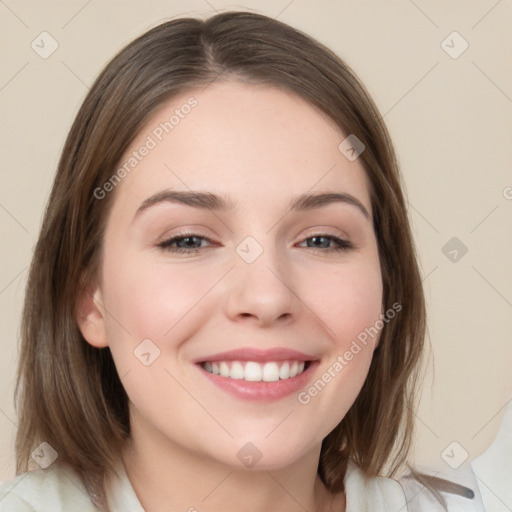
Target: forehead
258,142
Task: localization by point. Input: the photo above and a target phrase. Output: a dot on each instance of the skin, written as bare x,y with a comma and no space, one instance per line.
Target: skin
260,146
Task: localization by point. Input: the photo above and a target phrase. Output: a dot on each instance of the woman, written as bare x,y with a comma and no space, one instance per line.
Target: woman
224,309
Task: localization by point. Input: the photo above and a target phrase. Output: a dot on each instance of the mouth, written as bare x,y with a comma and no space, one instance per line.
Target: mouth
255,374
253,371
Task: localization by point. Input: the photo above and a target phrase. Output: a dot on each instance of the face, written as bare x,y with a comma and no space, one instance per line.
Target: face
238,320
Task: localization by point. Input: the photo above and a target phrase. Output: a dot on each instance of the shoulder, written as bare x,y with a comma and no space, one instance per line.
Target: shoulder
57,489
372,494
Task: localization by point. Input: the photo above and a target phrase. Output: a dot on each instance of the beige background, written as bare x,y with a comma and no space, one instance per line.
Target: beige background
451,122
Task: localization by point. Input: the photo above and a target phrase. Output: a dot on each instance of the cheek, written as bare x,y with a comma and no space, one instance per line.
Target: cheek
153,309
149,299
349,303
348,299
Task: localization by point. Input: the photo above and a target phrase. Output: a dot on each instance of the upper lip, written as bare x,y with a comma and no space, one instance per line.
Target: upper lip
258,355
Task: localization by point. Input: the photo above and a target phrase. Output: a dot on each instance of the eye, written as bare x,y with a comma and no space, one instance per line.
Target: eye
192,243
185,243
321,240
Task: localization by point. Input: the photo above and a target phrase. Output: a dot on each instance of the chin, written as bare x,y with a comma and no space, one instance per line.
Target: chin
264,454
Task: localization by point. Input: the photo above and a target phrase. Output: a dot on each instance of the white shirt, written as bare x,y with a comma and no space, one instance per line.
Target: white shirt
489,476
493,468
59,489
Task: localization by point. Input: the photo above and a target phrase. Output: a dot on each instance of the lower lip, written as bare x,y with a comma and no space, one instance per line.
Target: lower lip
262,391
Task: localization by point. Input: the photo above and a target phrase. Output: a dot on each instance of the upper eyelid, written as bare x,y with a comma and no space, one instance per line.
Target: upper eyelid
184,234
198,231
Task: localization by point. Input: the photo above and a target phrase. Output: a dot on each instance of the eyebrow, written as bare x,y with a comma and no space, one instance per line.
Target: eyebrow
210,201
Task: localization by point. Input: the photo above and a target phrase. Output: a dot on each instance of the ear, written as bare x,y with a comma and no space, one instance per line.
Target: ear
91,318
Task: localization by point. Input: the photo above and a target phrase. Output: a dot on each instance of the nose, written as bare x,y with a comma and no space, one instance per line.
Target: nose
261,291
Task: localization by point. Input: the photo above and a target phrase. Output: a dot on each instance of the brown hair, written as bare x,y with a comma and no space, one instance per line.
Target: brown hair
68,393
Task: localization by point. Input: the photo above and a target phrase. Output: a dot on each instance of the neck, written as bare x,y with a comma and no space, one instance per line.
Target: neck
166,476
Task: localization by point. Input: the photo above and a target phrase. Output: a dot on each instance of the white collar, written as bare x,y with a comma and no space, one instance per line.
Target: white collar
121,496
372,494
493,468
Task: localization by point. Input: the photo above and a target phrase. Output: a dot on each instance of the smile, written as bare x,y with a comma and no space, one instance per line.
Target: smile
253,371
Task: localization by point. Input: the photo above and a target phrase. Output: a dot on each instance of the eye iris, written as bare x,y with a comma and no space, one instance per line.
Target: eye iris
189,241
316,238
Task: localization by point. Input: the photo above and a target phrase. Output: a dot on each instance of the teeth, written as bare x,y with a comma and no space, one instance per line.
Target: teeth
224,369
284,371
270,372
251,371
237,371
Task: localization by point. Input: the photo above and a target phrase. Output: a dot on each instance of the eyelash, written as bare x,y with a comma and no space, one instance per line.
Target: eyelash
343,245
